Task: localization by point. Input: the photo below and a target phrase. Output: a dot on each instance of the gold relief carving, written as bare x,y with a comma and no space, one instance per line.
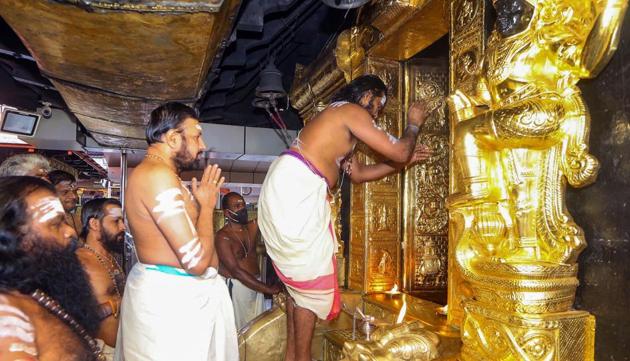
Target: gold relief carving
430,262
465,13
383,218
383,266
400,342
467,42
426,184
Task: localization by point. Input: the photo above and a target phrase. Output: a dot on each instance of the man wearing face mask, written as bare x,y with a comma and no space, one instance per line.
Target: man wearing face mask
236,247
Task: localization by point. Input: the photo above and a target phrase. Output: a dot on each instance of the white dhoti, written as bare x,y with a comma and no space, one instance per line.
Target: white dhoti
294,218
247,303
169,315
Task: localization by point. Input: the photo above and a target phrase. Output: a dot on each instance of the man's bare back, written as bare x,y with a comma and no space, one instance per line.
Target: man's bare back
328,140
43,336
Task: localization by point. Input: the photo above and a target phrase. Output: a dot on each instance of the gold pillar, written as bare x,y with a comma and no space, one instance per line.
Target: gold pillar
375,238
467,45
519,134
425,217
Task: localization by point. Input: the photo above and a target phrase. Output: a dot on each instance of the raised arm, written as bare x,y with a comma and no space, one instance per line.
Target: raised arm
363,127
193,245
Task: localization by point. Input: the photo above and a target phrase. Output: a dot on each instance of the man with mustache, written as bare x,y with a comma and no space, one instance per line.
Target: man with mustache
293,210
175,305
66,187
47,308
103,236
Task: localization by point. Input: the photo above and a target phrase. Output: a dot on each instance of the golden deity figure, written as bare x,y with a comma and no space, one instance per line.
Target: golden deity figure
517,141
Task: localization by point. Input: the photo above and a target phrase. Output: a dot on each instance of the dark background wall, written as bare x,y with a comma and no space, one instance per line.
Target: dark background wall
602,208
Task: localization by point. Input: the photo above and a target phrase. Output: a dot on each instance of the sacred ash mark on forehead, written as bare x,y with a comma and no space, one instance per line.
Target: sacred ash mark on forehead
46,209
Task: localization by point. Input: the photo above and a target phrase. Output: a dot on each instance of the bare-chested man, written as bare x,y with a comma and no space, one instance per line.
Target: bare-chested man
103,237
294,213
236,246
175,306
47,309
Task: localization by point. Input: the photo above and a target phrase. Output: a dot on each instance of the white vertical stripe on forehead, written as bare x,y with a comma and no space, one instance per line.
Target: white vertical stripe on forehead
46,209
198,127
383,100
168,204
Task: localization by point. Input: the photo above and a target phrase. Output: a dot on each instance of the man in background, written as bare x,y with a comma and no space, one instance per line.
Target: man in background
26,164
103,236
66,186
236,247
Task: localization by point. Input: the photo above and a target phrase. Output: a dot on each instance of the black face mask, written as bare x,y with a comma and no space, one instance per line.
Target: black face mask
239,216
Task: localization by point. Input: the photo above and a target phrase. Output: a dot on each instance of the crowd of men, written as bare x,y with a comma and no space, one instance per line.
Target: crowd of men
64,295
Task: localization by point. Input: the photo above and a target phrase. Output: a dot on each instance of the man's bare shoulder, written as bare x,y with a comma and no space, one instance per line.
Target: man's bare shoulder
222,235
150,174
87,259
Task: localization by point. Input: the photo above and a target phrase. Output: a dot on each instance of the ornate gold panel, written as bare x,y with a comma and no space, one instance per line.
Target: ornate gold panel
375,207
426,184
467,42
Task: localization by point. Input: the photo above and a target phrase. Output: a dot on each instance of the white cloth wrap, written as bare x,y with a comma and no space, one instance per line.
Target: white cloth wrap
168,317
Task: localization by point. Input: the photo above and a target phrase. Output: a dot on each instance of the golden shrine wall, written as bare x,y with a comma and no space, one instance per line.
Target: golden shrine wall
375,238
426,185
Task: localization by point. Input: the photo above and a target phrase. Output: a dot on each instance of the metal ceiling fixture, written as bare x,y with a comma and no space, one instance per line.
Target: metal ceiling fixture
345,4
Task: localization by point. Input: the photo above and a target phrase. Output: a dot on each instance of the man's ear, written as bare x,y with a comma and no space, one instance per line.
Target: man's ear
172,138
94,224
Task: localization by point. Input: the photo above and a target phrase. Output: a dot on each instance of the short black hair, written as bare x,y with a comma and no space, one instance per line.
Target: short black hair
354,91
58,176
166,117
226,199
94,209
13,219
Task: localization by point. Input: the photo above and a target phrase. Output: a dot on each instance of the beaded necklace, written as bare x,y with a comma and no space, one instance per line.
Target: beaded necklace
53,307
112,261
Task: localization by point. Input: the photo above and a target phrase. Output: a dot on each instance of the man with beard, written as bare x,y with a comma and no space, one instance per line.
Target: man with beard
175,305
236,247
103,236
294,214
66,187
47,309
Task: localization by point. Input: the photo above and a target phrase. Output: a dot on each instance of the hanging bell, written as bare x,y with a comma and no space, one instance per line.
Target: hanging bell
270,86
345,4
